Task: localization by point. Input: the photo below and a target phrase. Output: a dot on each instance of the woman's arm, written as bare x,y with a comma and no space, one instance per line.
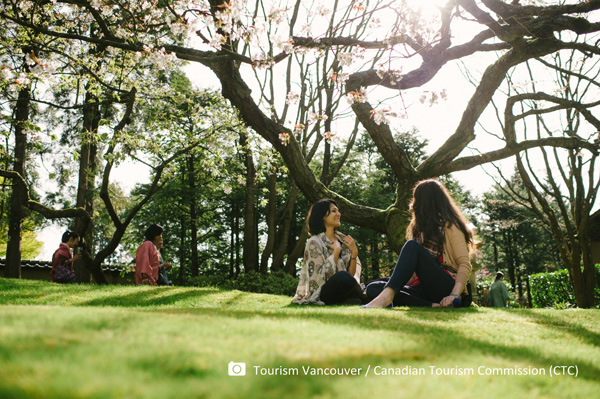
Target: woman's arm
459,251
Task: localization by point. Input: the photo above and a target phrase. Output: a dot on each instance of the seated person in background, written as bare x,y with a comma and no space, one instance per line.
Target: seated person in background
330,273
147,261
63,259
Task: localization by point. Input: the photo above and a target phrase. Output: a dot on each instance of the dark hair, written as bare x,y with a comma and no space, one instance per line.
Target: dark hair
68,235
499,275
153,231
317,212
432,206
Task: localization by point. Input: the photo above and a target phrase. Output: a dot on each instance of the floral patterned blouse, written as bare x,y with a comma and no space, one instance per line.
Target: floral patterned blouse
319,266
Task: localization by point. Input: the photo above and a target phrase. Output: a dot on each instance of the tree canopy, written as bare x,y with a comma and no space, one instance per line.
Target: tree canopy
285,66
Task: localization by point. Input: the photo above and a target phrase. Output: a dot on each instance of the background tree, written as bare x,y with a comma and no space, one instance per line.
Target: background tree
515,240
561,184
191,202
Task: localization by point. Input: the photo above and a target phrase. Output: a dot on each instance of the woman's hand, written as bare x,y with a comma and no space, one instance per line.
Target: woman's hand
448,301
351,244
337,247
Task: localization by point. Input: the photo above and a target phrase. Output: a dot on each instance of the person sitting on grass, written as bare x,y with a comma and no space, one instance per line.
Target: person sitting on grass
147,260
436,251
331,270
63,259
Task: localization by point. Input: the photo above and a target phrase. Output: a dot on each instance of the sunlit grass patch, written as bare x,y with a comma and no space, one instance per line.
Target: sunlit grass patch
142,342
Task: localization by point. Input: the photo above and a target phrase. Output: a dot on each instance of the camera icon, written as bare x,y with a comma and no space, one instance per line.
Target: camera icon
237,369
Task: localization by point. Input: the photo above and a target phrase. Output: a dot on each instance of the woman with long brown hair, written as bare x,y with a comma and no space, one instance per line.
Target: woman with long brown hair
437,251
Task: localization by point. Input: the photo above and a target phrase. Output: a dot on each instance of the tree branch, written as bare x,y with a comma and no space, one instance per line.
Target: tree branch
466,163
47,212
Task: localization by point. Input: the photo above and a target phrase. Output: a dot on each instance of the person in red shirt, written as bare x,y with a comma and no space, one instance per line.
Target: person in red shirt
147,259
63,255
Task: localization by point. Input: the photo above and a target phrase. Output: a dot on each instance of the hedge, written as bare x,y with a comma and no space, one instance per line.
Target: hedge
554,290
278,283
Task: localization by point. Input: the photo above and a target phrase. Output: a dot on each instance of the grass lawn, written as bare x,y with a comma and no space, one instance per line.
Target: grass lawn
140,342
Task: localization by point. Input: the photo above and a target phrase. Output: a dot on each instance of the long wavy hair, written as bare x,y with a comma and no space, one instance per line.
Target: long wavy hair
432,206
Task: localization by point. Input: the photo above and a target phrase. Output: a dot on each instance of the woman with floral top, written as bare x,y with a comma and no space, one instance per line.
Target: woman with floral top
436,251
330,274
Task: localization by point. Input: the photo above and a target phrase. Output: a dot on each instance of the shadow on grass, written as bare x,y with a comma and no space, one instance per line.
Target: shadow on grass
440,341
546,319
149,298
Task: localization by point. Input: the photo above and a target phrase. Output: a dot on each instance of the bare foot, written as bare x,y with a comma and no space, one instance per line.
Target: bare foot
435,305
382,300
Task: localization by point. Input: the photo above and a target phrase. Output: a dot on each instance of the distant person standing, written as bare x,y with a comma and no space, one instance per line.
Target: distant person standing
63,259
147,258
498,295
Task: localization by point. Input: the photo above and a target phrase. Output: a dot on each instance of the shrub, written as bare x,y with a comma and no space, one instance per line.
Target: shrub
277,283
555,289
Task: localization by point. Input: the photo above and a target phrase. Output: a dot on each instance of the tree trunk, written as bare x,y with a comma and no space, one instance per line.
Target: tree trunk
588,274
250,219
517,270
297,252
284,231
182,224
5,187
86,185
19,193
375,261
510,254
193,216
583,279
181,249
237,243
495,252
232,240
529,301
271,226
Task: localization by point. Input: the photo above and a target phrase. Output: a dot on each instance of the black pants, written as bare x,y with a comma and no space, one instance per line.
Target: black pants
407,296
435,283
341,288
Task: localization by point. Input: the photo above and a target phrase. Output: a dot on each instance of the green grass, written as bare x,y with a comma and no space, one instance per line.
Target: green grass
139,342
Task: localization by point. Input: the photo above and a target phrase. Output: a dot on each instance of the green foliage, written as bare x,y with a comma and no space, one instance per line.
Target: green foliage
554,290
277,283
514,239
30,245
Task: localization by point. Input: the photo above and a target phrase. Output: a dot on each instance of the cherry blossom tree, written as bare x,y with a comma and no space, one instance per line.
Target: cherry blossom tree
285,66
